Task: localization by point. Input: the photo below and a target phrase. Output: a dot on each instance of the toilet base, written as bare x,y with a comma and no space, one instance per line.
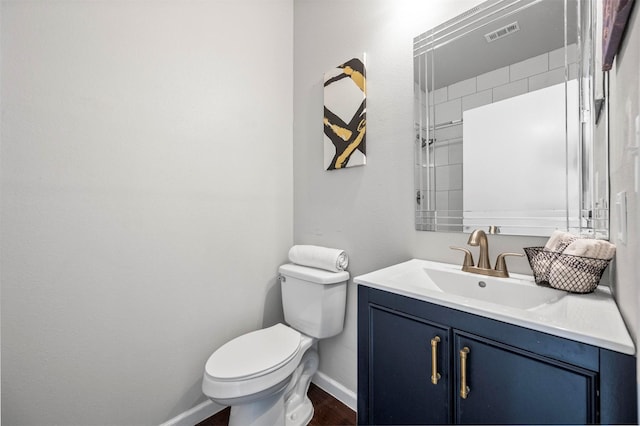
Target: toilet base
285,404
268,411
298,406
301,415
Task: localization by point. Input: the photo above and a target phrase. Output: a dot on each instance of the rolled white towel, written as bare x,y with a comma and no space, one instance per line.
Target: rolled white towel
571,275
561,272
559,240
331,259
596,249
606,250
581,247
576,275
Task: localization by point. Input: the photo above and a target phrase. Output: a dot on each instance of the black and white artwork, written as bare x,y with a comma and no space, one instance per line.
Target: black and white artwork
345,115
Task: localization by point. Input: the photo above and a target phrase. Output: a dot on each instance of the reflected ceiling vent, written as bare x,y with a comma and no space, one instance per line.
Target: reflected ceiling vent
502,32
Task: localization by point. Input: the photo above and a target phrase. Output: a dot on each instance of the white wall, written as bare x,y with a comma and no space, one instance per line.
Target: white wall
625,107
147,199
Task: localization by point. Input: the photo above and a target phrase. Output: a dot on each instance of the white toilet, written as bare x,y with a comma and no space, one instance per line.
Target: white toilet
264,375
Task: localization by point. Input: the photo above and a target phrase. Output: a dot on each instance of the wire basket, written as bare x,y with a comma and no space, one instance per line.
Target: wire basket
575,274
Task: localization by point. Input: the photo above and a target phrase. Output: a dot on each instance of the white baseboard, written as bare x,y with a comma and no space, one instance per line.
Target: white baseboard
208,408
337,390
195,415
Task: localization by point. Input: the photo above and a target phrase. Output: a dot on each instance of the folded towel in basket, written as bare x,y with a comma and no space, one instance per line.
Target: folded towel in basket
576,274
572,275
596,249
559,240
334,260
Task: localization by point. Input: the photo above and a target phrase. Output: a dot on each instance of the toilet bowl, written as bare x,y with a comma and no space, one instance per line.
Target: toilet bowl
264,375
258,388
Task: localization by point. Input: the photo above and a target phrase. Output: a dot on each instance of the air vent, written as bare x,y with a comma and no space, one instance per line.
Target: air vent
502,32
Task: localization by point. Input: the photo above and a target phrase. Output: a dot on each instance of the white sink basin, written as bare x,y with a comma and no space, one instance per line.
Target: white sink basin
513,292
590,318
449,282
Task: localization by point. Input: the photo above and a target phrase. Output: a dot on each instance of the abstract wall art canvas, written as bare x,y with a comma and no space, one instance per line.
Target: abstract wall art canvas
614,20
345,115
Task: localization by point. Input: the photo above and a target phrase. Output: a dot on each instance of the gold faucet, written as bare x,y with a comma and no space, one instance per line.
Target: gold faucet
479,238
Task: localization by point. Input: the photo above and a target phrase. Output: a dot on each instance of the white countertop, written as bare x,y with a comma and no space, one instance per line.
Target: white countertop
591,318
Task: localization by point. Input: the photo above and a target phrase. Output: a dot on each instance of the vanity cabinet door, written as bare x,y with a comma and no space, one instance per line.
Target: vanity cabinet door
511,386
401,365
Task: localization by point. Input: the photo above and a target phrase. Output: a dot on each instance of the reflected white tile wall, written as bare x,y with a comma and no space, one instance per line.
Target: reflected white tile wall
529,67
477,99
493,78
448,111
532,74
515,88
462,88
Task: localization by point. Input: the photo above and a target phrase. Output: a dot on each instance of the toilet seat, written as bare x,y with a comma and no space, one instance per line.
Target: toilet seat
254,354
255,364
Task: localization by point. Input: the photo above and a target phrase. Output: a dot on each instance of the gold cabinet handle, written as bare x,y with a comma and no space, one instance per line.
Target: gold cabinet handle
435,376
464,389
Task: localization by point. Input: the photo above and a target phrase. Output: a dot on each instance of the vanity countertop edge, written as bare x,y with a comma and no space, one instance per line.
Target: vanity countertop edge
592,318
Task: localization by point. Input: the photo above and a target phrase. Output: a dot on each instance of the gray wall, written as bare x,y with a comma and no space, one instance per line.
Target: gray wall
369,210
147,199
625,110
365,210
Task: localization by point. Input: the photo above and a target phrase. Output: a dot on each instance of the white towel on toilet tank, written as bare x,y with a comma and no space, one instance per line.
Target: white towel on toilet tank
331,259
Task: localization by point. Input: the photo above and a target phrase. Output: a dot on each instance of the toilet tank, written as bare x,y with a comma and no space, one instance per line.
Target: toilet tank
314,300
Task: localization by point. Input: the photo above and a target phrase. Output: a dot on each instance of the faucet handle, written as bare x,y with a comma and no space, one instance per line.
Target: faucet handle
501,265
468,257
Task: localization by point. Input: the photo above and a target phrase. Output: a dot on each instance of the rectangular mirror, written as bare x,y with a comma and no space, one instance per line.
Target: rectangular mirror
504,121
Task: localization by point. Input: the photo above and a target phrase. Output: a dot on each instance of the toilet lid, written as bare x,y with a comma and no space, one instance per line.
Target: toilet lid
254,354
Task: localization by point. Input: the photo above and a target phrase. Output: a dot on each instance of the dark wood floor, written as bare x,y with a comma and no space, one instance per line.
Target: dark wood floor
328,411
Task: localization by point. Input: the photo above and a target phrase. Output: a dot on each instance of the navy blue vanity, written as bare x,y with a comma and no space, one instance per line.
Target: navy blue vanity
425,363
